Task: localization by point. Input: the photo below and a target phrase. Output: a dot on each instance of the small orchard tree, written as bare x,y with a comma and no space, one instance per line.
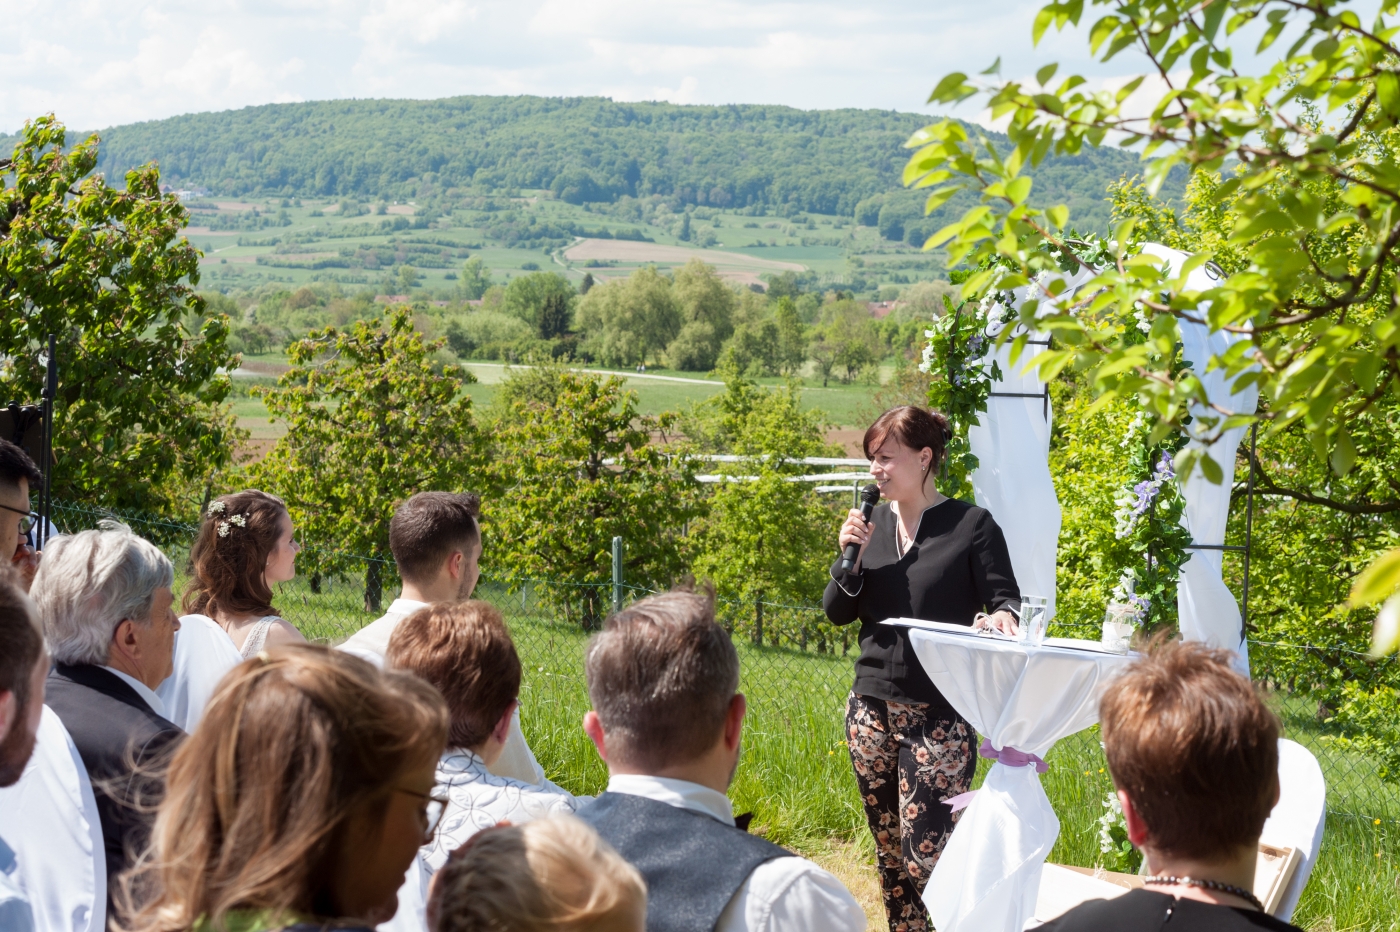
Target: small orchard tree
575,465
369,423
769,540
140,411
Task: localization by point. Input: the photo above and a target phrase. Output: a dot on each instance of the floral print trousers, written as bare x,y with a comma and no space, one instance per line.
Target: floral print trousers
906,764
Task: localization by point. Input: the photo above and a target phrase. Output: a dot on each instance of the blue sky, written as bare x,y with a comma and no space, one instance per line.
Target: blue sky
98,63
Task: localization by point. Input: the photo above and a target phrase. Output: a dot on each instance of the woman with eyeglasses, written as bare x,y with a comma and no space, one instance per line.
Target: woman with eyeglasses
299,804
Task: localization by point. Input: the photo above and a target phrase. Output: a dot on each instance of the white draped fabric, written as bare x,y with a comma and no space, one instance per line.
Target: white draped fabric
1012,444
203,654
988,876
50,820
1207,610
1299,818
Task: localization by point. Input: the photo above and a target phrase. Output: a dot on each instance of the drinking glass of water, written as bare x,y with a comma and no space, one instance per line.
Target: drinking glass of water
1035,619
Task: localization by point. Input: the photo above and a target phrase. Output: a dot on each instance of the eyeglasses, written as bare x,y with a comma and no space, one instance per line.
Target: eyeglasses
432,813
27,523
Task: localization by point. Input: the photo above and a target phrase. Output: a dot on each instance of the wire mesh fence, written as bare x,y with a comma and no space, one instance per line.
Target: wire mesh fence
796,672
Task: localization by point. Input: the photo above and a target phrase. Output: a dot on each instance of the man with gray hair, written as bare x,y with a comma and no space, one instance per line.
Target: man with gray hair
104,599
667,717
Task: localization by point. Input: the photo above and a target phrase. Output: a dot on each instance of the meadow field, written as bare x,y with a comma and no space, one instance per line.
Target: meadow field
251,242
848,408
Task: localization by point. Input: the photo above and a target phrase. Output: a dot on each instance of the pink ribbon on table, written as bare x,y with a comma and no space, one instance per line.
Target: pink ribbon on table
1008,756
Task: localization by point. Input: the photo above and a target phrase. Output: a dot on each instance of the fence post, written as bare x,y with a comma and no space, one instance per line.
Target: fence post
617,575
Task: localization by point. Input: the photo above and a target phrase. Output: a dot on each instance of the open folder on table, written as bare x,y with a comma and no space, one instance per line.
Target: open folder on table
944,627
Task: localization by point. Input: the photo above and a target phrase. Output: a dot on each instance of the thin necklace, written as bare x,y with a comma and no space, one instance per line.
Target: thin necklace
1166,880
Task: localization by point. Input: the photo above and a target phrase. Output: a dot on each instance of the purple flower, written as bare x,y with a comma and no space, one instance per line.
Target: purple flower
1146,492
1164,469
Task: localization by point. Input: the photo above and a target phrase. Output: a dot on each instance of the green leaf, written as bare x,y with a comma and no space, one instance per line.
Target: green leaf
1343,453
1377,581
1058,215
951,87
994,67
1043,76
1211,470
1019,189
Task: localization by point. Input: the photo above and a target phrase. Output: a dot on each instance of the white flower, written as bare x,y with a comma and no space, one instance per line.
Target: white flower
223,529
1113,814
240,520
216,507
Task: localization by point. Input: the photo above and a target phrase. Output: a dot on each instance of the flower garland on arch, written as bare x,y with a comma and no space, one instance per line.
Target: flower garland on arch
1150,507
961,384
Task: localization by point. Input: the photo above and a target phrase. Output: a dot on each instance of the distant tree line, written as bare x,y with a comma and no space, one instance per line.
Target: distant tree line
584,150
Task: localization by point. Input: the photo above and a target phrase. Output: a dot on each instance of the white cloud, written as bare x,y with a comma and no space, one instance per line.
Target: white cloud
98,64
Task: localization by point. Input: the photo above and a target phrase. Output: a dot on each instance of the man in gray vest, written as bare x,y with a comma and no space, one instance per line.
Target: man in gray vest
667,718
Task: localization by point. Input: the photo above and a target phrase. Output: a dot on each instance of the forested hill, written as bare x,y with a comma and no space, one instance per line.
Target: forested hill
584,149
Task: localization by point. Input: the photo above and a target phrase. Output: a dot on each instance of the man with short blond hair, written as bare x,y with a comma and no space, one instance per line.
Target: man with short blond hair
667,719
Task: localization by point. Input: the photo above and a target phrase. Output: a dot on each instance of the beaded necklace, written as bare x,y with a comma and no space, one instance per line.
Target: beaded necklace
1247,896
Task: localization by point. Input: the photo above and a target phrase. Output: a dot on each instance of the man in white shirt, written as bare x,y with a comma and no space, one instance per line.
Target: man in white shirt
436,543
465,651
667,718
23,666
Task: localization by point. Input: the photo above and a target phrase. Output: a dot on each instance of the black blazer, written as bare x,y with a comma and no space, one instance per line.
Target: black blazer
117,734
957,566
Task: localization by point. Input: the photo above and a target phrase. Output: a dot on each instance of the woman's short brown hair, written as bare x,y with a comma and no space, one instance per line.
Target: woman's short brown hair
293,743
1196,750
463,649
913,427
550,875
228,562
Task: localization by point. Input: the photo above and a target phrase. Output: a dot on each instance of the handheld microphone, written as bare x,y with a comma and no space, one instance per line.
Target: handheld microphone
868,497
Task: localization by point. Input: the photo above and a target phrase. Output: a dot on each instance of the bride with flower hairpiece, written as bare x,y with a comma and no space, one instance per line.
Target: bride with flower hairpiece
244,547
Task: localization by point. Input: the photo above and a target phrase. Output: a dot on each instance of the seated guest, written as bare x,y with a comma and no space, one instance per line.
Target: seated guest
1194,755
667,718
23,666
553,875
245,545
105,603
436,543
299,803
18,477
464,650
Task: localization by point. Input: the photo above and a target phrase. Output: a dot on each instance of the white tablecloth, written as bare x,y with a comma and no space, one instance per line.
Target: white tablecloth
1019,697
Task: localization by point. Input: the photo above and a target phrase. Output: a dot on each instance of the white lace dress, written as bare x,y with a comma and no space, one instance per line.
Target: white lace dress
257,638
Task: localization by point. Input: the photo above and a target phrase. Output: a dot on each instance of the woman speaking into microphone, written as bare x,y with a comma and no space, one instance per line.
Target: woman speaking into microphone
921,555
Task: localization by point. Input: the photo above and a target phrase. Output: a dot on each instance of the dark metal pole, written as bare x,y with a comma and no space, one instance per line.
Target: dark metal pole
1248,530
50,392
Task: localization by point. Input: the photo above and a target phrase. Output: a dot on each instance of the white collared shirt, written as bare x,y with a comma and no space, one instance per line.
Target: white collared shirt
788,894
147,694
372,641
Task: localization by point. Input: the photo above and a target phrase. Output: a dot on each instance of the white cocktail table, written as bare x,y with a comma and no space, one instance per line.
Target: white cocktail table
1021,700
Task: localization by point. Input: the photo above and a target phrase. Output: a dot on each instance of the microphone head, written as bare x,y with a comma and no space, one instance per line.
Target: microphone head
870,494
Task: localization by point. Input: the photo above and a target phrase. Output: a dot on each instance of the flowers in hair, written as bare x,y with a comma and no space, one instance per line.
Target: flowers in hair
232,521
